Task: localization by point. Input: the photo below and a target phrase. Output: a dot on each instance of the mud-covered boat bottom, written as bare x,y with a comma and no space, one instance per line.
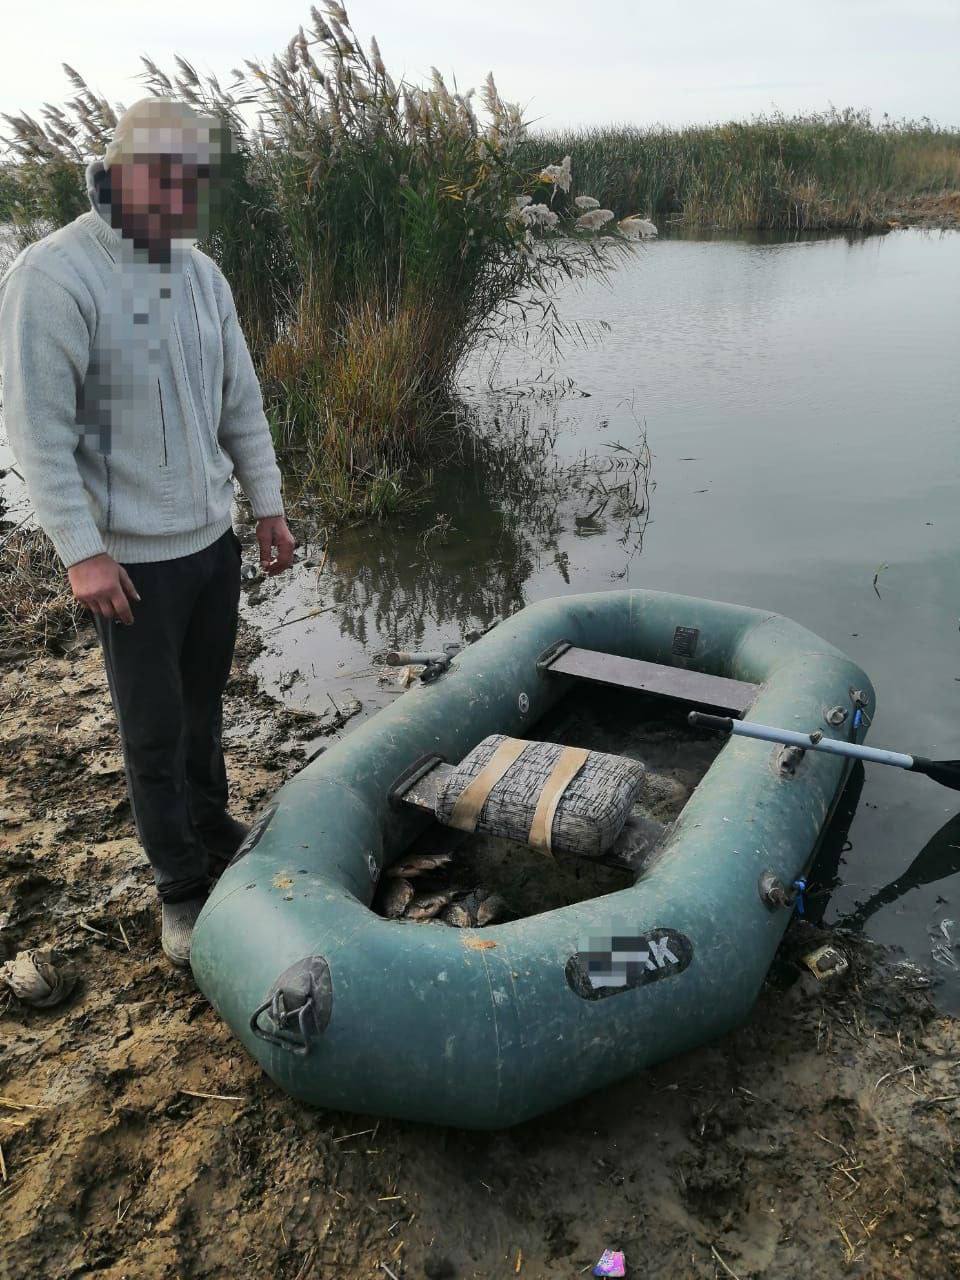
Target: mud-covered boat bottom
138,1139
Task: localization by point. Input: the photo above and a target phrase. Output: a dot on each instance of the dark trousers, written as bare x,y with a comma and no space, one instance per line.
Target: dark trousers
167,674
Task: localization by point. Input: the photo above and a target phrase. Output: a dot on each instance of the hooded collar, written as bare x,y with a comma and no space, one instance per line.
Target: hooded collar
98,222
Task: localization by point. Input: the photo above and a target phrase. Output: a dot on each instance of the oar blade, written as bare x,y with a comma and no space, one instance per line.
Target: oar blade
946,772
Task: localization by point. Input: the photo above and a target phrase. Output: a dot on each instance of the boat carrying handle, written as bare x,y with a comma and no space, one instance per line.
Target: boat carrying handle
298,1007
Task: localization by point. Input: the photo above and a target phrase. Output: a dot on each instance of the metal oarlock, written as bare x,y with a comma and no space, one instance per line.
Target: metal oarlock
435,662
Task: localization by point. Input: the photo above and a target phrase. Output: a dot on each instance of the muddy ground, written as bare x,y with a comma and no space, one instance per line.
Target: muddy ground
138,1140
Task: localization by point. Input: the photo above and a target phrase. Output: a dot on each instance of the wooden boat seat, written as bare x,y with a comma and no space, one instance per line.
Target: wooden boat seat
678,683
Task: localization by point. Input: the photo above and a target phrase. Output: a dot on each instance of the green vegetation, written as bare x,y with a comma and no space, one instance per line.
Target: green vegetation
371,234
8,192
808,172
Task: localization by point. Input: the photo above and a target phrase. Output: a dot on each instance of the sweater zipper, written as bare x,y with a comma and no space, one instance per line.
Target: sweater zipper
196,422
203,380
163,423
106,467
105,249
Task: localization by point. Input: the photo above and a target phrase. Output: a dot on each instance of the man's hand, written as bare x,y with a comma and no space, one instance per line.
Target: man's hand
104,587
272,532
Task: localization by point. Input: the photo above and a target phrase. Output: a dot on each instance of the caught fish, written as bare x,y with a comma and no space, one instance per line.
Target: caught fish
470,902
427,905
491,908
416,866
396,898
456,916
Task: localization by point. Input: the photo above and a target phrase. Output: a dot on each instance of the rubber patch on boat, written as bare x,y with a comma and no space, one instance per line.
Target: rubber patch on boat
626,961
257,829
479,944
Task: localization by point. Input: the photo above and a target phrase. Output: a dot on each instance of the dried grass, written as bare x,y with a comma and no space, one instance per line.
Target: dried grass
37,607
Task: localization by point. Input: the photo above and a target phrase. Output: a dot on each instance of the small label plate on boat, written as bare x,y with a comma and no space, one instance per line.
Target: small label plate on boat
627,960
685,641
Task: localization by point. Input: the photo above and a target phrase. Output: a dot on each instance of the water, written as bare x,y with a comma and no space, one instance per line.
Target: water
801,400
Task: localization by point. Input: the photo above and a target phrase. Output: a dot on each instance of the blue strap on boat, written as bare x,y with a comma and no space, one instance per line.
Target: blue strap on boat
859,699
801,887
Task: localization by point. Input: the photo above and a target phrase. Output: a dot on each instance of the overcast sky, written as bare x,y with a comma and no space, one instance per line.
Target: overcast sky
567,61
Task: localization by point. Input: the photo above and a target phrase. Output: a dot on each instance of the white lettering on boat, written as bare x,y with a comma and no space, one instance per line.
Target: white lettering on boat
607,966
660,949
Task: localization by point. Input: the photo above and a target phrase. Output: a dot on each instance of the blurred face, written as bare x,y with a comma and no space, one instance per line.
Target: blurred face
160,199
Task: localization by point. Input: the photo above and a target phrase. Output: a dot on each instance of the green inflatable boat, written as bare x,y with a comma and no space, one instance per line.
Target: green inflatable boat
486,1027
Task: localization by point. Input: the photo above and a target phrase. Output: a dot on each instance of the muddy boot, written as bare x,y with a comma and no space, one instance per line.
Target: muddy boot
177,931
221,843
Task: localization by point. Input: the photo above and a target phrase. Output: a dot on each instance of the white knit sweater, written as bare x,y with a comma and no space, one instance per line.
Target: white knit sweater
130,399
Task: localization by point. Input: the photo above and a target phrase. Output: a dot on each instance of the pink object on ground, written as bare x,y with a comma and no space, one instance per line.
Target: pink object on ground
612,1263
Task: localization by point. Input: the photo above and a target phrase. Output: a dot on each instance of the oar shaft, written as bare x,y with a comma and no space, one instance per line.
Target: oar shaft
766,733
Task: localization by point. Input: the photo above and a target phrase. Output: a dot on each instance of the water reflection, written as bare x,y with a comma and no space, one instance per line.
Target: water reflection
507,511
824,875
775,239
938,860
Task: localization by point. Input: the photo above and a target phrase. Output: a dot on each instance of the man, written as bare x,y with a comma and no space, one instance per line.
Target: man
130,402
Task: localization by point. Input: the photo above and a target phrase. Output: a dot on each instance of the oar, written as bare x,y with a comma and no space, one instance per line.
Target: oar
946,772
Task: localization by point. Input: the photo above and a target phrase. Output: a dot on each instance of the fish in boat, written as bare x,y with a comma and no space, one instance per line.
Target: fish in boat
419,865
457,916
397,898
490,908
427,905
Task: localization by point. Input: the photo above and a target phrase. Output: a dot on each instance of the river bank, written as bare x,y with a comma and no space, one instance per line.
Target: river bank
820,1139
931,212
